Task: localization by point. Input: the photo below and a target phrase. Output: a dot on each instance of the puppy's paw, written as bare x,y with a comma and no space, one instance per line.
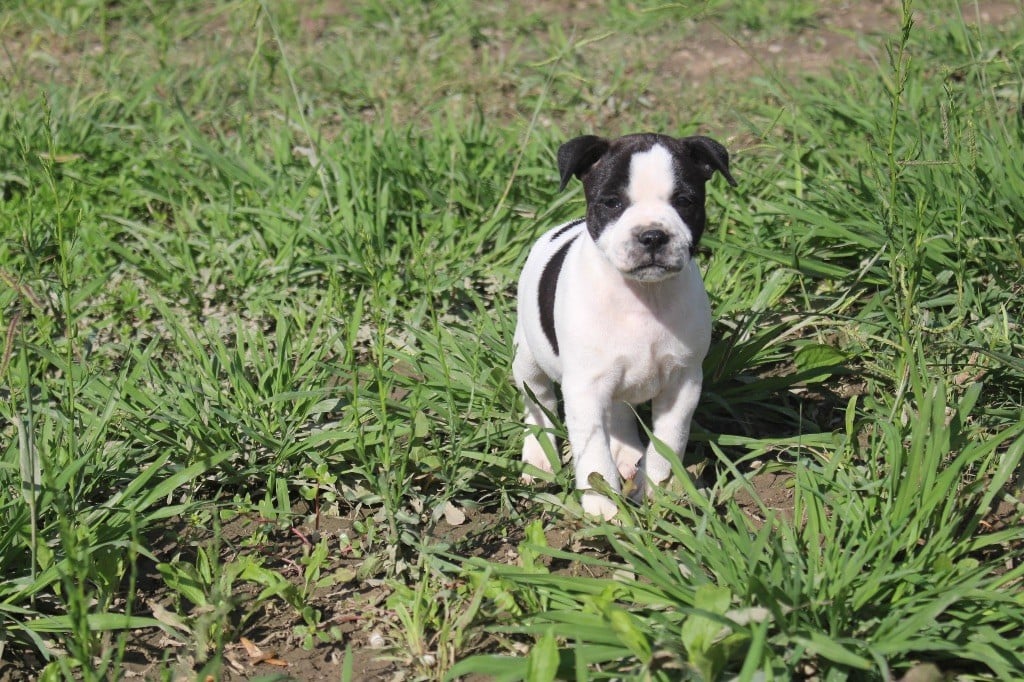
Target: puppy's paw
596,504
627,461
534,455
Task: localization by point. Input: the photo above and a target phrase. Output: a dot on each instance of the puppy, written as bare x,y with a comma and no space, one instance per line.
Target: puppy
612,307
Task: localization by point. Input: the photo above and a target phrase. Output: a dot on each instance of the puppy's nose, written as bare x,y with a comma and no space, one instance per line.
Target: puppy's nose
652,239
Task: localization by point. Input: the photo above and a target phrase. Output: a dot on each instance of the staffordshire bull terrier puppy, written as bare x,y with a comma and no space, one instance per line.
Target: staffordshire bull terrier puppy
612,308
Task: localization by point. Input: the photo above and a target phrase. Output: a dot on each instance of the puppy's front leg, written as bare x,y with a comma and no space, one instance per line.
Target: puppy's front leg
586,419
673,410
539,399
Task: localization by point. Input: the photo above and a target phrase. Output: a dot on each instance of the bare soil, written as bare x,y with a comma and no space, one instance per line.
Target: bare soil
843,31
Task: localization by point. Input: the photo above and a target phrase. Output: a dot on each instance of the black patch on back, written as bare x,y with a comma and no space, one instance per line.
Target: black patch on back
565,229
546,293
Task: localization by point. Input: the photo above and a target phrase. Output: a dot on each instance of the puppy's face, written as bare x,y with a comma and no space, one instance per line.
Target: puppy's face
645,197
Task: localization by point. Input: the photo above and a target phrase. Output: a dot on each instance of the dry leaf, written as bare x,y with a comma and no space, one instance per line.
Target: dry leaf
924,672
257,655
168,617
250,648
453,515
235,664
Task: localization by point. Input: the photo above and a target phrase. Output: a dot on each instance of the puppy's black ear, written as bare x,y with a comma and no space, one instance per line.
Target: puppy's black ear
576,156
711,156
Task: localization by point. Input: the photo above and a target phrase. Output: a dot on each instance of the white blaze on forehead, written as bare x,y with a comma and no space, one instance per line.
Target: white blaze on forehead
651,177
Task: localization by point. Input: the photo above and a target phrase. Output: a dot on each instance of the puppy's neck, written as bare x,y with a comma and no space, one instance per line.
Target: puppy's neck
610,281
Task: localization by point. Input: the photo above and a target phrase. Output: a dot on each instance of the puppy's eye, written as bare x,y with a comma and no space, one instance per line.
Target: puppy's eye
611,203
682,200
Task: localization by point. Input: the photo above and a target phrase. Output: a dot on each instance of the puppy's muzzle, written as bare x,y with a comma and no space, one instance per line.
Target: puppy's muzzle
654,253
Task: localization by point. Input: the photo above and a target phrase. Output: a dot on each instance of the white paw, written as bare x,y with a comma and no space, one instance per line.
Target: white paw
596,504
534,455
627,461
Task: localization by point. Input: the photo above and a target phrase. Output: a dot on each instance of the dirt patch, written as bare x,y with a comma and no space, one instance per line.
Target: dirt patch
273,640
840,32
773,496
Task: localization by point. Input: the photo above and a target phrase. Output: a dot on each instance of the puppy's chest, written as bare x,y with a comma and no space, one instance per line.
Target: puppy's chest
646,358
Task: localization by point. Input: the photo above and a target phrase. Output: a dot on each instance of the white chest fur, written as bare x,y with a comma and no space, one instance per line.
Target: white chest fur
630,338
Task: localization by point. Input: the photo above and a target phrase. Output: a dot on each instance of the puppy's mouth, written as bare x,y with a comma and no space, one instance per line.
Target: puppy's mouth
653,271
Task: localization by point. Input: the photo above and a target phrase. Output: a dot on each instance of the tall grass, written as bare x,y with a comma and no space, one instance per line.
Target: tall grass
905,215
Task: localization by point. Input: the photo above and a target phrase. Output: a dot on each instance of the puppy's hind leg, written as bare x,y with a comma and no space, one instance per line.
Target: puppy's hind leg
673,412
624,439
540,400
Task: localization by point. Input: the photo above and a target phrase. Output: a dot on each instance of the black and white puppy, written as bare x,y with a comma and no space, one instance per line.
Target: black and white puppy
612,307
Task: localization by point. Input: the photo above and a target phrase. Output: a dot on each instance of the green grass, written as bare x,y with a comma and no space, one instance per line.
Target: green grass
258,262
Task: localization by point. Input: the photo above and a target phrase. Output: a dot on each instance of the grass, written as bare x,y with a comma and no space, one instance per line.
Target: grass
258,266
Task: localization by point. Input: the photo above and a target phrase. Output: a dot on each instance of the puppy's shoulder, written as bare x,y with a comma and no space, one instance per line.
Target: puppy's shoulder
564,232
555,239
549,251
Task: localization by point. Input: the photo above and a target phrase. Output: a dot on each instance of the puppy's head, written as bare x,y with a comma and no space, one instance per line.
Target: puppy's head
645,197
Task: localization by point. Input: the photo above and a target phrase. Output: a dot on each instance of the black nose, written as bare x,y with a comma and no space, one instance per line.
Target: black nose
652,239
